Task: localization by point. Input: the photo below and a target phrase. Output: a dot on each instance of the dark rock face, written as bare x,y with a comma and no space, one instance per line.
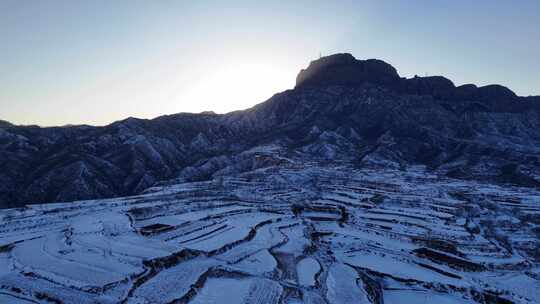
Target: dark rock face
437,86
341,108
5,124
344,69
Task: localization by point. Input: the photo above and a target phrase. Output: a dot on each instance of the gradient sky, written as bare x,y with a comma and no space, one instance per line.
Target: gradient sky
94,62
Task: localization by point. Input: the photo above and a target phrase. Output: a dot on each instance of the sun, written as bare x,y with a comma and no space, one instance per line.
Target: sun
237,86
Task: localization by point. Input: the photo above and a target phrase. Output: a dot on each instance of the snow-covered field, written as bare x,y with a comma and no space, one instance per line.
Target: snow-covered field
295,233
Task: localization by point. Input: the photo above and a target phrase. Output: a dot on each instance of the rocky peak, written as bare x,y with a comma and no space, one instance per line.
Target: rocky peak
344,69
495,91
433,85
5,124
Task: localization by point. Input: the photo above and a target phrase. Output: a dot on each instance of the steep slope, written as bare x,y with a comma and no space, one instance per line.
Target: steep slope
51,164
341,108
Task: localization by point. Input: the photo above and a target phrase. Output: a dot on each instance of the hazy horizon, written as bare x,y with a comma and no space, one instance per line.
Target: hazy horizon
78,62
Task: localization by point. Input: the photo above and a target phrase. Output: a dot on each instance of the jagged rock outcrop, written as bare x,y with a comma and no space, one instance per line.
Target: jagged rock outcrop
344,69
340,108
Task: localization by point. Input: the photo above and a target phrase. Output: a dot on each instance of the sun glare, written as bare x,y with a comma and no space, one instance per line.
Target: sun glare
236,87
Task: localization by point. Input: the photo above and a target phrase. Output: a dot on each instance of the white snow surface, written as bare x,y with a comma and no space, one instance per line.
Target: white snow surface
294,232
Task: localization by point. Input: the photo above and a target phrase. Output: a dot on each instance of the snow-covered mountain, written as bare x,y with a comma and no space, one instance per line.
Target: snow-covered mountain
356,109
356,186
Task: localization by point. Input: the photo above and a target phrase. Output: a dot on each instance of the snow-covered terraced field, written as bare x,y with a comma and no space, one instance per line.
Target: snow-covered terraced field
287,234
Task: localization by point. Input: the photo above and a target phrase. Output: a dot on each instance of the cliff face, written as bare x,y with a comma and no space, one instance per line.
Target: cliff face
341,109
344,69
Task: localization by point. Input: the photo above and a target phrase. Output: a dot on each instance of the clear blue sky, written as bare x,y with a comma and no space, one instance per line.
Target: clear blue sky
98,61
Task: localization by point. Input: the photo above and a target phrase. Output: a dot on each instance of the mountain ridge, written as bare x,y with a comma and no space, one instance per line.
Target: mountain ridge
425,85
366,111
